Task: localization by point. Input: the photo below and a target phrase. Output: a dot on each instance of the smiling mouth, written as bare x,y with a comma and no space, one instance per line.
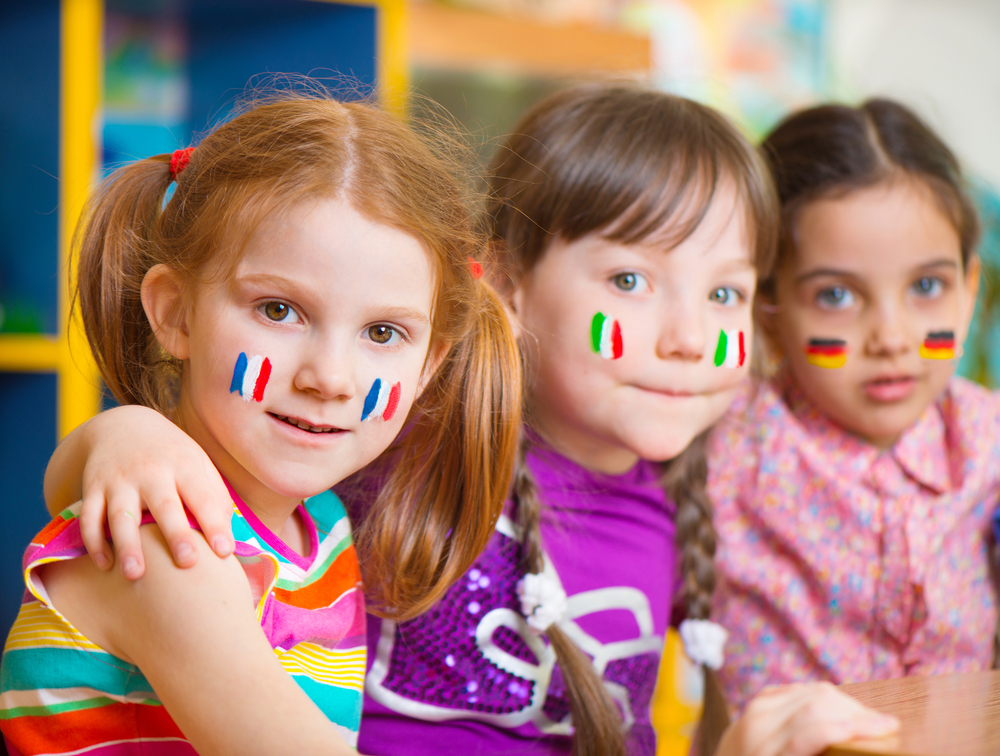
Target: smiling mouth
303,425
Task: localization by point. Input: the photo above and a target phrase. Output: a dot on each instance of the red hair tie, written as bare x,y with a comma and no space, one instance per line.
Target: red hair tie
475,268
179,161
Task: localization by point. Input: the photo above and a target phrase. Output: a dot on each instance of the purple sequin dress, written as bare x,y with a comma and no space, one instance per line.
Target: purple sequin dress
469,677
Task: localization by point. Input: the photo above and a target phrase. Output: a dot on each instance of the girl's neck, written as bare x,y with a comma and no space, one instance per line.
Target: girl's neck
275,511
592,454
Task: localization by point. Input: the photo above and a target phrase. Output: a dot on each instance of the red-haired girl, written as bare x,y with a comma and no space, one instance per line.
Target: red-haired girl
303,295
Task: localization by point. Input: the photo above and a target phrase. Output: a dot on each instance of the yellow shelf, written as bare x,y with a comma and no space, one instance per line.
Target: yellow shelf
454,38
29,353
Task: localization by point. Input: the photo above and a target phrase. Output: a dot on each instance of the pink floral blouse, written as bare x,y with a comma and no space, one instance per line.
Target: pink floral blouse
838,561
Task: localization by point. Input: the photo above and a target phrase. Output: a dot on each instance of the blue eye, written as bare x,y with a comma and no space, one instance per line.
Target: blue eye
835,298
928,286
727,296
278,312
630,281
383,334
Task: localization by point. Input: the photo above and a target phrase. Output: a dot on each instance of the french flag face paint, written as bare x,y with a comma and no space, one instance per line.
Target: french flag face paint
382,401
730,352
826,353
606,337
939,345
250,376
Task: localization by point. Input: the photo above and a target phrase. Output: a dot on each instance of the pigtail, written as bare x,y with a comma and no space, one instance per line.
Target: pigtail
597,723
114,249
447,479
685,480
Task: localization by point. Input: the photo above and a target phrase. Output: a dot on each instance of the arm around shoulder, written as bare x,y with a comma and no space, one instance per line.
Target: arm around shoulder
195,636
132,458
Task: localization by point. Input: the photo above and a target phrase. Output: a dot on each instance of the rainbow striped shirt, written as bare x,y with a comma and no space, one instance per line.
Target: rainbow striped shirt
61,693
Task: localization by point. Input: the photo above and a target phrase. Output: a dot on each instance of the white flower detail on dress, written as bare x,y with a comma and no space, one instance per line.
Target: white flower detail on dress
703,642
543,600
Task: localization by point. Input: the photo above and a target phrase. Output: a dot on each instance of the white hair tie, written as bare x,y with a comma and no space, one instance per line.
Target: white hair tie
703,642
543,600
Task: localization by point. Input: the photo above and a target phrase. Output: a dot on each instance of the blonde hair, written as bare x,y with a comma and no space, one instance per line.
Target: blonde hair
624,162
445,479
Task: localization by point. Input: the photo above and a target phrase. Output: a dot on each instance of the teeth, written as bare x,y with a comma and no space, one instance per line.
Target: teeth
304,425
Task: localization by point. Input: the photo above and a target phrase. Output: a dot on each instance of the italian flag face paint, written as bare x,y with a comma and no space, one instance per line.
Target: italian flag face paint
826,353
250,376
381,402
606,337
730,351
939,345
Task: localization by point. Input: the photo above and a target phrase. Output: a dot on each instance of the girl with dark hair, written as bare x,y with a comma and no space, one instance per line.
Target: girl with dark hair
629,229
853,489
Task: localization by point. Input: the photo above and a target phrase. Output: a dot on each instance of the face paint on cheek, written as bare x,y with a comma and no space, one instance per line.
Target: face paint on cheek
826,353
731,351
250,376
939,345
381,402
606,337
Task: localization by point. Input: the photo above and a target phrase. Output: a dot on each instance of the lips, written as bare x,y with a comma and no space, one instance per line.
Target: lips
303,425
890,388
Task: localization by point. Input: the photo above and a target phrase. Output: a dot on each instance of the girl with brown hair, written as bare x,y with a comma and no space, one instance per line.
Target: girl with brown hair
303,295
629,228
854,489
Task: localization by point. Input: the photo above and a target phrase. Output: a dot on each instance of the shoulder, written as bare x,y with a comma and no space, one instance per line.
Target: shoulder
754,414
971,415
119,614
970,396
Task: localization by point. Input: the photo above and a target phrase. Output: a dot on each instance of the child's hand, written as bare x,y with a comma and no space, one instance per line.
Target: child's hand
129,459
802,720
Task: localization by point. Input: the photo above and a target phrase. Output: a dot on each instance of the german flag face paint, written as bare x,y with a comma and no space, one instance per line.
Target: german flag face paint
939,345
826,353
606,337
381,402
731,351
250,376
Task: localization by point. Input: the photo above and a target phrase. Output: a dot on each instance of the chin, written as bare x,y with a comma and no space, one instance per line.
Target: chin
663,448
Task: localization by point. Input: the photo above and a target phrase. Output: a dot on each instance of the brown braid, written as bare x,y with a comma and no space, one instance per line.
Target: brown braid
685,480
597,724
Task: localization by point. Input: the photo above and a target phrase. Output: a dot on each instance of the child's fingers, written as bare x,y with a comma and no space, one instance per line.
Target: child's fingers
165,505
124,516
92,511
209,502
827,716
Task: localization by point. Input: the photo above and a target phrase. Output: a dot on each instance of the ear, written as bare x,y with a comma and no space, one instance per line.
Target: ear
163,302
501,271
972,273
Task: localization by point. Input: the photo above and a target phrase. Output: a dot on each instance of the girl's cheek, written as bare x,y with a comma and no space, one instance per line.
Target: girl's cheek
250,376
731,348
606,337
381,401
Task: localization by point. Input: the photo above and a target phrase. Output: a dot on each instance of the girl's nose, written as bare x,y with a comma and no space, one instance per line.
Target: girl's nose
890,334
681,335
325,370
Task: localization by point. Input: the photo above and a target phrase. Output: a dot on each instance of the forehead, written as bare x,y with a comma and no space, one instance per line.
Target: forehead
333,250
888,225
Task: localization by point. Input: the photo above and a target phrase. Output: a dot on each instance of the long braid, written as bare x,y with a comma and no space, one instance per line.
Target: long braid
685,480
597,724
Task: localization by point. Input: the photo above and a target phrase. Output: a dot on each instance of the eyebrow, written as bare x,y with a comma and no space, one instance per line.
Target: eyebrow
839,273
393,313
383,312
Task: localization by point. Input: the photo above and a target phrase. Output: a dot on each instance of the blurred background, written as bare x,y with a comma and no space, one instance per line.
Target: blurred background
89,84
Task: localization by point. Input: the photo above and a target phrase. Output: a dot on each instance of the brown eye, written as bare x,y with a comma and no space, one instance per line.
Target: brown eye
380,334
276,311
